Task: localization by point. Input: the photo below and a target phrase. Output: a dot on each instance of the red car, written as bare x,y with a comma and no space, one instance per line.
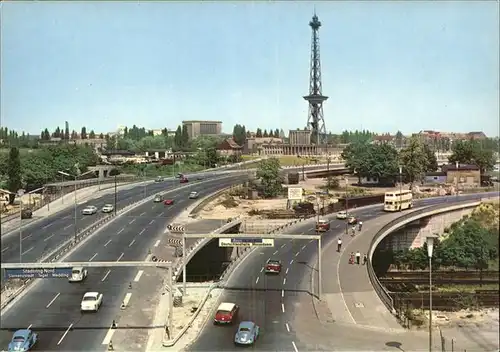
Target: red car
273,266
168,202
184,180
226,313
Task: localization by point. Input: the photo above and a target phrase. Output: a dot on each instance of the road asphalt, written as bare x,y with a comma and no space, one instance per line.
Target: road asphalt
51,307
282,305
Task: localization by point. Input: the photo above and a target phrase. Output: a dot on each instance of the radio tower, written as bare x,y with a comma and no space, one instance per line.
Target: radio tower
315,120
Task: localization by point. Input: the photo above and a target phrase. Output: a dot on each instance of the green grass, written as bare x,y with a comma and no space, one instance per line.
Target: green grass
465,288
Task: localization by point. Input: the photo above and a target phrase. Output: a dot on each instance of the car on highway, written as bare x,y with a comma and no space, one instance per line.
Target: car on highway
168,202
158,199
23,340
273,266
322,225
159,179
78,274
194,195
179,175
184,179
89,210
247,334
226,313
352,220
342,215
91,302
107,208
26,213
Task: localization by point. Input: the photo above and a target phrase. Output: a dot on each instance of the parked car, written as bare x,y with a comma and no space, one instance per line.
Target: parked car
226,313
168,202
78,274
158,199
352,220
322,225
26,213
193,195
107,208
159,179
91,301
89,210
23,340
273,266
247,334
342,215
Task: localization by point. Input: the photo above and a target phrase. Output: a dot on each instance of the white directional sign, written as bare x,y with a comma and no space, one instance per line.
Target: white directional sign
294,193
246,242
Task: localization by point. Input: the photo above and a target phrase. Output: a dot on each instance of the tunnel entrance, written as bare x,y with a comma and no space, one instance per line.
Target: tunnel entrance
209,262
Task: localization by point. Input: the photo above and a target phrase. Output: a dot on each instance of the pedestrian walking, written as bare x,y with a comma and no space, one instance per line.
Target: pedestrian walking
365,258
351,258
360,225
353,231
339,244
358,257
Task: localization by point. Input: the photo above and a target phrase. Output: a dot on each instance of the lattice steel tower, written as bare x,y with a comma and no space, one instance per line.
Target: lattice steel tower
315,120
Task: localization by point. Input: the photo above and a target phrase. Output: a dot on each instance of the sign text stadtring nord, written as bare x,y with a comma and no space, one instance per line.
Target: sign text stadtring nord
54,273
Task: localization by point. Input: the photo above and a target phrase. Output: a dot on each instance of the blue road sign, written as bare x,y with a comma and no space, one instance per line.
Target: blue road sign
55,273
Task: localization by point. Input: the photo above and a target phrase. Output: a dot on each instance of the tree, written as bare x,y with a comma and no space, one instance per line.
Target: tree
178,137
265,134
14,180
74,135
185,137
470,152
268,172
111,143
356,158
83,134
399,139
332,183
101,135
239,134
66,131
277,133
432,164
92,134
414,161
258,133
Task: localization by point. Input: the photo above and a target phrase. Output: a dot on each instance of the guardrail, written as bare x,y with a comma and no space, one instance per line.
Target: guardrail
393,225
72,242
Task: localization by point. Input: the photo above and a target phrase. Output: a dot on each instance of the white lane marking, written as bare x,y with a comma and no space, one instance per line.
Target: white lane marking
53,299
286,272
26,251
283,307
157,243
161,214
256,281
67,217
282,293
119,232
92,258
3,250
131,222
303,247
275,252
105,276
120,257
340,288
142,231
67,227
291,261
295,347
151,222
47,226
109,335
138,276
29,327
148,258
131,243
283,245
296,254
284,281
47,238
142,214
65,333
262,269
287,327
25,238
127,299
105,244
337,226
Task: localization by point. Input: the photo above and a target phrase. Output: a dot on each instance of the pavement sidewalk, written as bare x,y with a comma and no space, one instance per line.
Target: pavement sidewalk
67,201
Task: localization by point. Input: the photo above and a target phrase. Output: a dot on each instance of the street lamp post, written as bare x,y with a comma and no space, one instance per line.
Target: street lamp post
400,187
114,208
457,173
430,247
346,206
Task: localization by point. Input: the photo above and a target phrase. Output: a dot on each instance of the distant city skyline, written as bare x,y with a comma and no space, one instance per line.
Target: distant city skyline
410,66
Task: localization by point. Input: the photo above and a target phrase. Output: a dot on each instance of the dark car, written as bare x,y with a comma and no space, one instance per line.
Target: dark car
184,180
26,213
273,266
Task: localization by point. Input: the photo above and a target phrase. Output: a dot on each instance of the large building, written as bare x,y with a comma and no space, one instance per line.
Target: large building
299,137
196,128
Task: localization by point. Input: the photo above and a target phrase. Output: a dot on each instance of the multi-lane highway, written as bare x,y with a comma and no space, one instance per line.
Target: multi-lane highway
52,306
282,304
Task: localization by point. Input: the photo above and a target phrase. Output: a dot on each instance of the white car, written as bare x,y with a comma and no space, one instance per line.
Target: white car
89,210
107,208
342,214
193,195
78,274
91,301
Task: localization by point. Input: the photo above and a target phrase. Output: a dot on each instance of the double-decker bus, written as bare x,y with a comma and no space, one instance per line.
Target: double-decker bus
398,200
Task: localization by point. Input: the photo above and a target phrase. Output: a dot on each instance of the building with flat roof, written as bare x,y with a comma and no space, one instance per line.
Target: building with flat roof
196,128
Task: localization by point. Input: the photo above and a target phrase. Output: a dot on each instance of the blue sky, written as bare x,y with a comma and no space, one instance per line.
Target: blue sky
387,66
